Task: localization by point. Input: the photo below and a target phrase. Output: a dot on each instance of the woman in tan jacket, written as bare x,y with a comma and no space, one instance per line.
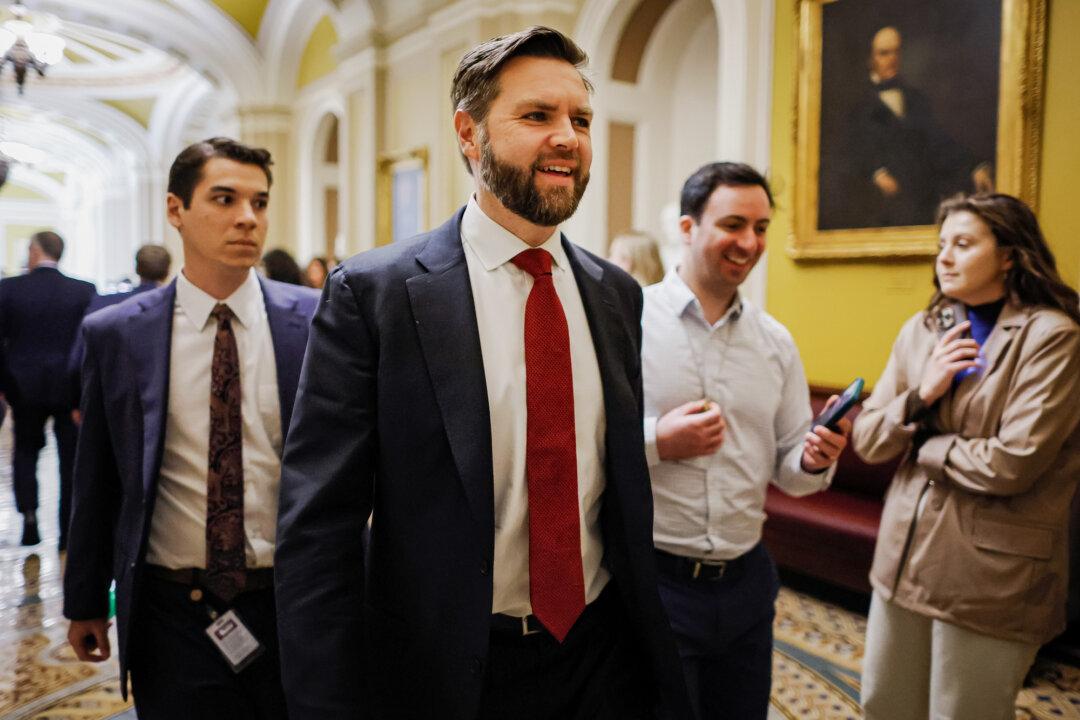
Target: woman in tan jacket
971,566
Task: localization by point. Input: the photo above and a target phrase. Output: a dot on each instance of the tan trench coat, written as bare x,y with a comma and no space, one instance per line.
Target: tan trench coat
989,551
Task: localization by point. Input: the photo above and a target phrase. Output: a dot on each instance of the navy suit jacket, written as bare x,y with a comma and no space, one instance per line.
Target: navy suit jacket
392,419
75,358
40,314
124,405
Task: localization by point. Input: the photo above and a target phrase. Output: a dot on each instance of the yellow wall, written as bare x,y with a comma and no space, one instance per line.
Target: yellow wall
13,191
844,315
248,13
318,58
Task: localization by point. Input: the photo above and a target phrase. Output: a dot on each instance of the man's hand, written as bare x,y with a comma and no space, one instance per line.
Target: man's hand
822,446
886,183
76,417
982,178
952,354
90,639
690,430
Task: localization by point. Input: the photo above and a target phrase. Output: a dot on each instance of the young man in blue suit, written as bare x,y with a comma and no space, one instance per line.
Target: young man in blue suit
40,314
187,392
477,392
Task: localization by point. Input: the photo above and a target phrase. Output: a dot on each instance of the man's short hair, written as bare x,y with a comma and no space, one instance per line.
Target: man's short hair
50,243
699,187
152,263
186,170
476,82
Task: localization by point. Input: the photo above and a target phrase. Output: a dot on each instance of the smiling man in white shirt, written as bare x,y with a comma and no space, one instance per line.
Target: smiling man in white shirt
186,393
727,411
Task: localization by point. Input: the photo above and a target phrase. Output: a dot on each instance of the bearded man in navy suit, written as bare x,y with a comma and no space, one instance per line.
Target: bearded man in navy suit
40,314
476,392
186,394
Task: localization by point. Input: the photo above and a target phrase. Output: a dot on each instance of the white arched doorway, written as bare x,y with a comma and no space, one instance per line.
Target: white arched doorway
678,83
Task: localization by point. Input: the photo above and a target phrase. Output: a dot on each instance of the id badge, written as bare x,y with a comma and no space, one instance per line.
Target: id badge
233,639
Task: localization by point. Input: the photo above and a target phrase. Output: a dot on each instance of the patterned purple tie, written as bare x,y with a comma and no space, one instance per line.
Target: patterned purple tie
225,574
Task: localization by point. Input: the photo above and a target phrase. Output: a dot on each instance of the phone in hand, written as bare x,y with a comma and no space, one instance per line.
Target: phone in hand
831,417
949,316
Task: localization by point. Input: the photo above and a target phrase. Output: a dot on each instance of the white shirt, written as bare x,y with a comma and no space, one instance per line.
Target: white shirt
178,527
500,290
713,507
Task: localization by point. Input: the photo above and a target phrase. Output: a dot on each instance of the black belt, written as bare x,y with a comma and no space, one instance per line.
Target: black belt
513,626
255,578
688,568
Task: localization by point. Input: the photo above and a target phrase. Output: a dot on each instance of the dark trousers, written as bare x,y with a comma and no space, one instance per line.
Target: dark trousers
29,440
597,673
178,673
723,628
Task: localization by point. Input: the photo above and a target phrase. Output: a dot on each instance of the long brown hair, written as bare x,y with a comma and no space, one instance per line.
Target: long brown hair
1033,278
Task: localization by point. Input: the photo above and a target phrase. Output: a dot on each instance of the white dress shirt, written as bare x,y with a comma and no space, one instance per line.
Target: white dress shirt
713,507
178,527
499,290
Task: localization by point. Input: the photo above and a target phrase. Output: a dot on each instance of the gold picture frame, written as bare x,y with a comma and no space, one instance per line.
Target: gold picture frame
1017,142
402,194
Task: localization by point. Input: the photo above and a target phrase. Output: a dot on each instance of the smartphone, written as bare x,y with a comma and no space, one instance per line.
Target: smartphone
949,316
831,418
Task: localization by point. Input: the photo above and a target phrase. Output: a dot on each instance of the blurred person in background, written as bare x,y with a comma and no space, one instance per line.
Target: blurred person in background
317,270
279,265
638,254
40,314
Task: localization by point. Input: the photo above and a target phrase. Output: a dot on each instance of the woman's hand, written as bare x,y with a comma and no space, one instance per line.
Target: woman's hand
952,354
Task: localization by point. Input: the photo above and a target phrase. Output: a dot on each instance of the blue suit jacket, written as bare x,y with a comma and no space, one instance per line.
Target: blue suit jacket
40,314
75,358
392,418
124,405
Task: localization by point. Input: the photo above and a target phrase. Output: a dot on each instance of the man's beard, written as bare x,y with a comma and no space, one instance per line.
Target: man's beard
516,188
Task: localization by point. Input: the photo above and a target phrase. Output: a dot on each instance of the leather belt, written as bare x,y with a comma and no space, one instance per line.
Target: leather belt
256,578
693,569
510,625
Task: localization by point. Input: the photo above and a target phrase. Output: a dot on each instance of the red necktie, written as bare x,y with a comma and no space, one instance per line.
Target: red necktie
556,580
225,475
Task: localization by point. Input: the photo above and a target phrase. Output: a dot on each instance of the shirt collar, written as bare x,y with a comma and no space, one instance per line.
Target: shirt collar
197,304
47,264
494,245
681,298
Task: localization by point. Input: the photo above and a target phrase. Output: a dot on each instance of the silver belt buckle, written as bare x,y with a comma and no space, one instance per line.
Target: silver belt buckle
525,627
721,564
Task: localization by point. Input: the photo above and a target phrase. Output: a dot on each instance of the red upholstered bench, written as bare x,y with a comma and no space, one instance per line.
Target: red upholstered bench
830,535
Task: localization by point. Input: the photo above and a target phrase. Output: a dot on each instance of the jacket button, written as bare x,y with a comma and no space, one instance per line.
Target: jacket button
476,666
132,566
485,567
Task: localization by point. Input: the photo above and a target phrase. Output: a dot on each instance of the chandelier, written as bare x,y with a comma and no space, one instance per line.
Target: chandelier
29,43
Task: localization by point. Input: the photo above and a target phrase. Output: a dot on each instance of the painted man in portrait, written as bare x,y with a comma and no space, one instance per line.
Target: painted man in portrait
898,163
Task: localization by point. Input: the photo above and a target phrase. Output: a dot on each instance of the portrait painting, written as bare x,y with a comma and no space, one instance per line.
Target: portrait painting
903,103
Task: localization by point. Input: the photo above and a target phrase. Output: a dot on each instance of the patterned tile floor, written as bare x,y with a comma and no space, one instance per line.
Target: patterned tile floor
816,664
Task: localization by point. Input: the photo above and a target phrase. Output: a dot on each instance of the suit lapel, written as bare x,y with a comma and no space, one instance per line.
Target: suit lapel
445,317
288,332
601,310
149,342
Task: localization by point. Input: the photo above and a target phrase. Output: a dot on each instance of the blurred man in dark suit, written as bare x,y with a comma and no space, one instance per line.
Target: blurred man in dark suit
40,313
152,263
